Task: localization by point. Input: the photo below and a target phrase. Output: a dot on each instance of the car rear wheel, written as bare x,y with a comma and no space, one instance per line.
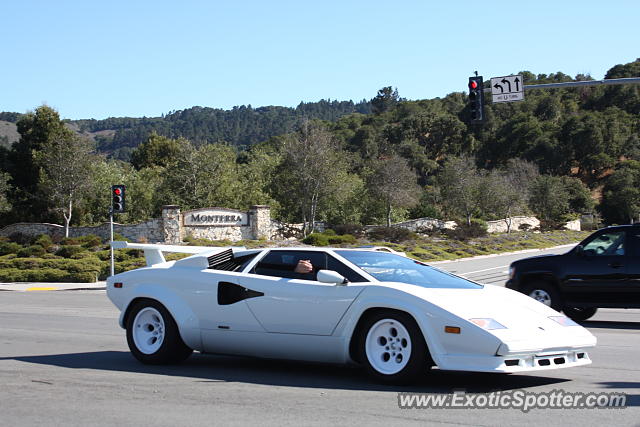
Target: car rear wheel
153,336
579,313
392,348
545,293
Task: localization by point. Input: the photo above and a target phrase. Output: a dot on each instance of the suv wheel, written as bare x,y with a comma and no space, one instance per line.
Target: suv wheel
579,313
545,293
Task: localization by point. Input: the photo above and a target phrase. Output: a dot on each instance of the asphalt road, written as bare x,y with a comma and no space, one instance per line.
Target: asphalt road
493,269
64,361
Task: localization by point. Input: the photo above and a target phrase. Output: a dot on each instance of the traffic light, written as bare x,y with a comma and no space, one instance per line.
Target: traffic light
117,198
476,99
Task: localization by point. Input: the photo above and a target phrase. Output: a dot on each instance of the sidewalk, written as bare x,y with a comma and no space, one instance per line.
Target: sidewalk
40,286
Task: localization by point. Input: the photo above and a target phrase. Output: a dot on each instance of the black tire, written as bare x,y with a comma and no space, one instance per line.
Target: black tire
579,314
538,289
419,361
171,349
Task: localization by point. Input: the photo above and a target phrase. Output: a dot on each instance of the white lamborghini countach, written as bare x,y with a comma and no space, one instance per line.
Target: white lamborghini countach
395,316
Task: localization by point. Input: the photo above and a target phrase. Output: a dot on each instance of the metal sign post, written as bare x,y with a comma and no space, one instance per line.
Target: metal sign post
111,245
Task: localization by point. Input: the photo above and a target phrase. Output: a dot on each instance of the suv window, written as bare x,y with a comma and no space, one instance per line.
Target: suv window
609,243
634,240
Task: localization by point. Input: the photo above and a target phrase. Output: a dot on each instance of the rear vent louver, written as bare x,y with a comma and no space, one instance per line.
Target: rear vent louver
222,261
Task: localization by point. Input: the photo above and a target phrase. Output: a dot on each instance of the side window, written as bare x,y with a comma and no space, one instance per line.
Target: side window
634,240
282,264
338,267
606,244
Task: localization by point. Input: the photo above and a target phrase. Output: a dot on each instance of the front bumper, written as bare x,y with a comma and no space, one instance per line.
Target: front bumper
512,363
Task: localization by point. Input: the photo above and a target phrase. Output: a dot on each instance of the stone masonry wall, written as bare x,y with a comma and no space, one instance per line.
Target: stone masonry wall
147,231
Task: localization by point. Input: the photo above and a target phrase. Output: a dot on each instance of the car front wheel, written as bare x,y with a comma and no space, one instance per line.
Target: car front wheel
153,336
579,313
392,348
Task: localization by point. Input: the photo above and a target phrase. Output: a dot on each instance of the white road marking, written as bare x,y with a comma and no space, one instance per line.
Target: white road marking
480,271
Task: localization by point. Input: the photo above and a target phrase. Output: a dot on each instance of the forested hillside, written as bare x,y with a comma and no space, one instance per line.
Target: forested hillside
558,154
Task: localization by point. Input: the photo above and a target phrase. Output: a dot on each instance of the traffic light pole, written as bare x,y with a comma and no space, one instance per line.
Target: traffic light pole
112,256
605,82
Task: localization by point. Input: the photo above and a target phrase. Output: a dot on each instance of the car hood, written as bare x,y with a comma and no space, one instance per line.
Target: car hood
525,319
537,258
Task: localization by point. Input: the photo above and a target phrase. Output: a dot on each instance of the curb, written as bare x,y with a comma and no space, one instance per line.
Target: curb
524,251
40,286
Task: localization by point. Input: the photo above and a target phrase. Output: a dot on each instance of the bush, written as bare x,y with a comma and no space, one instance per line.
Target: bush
391,234
43,240
462,232
550,225
353,229
29,251
344,239
45,275
66,251
20,238
9,248
316,239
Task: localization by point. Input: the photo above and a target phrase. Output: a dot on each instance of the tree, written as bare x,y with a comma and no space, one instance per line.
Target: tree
621,194
549,198
461,187
65,166
157,150
308,173
205,176
395,182
36,129
385,100
5,188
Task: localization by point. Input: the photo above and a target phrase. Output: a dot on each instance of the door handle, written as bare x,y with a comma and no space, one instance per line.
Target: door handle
615,265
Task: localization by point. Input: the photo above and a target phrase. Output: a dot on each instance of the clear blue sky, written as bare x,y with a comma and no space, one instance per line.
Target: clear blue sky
96,59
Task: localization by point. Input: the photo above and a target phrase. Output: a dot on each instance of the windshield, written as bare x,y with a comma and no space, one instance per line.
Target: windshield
388,267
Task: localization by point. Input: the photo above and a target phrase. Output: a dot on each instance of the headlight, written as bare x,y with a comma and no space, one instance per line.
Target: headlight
487,324
512,272
563,320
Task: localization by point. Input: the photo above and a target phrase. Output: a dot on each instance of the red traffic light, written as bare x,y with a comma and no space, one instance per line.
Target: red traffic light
117,191
473,84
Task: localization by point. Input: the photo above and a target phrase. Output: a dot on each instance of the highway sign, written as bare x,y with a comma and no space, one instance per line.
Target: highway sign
507,88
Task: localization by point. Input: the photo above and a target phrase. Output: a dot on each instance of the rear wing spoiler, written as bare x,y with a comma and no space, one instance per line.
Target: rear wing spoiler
153,252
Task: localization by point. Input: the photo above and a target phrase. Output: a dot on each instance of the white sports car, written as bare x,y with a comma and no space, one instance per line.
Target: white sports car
395,316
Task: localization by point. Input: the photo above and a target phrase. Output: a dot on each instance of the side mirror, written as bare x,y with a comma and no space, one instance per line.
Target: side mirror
330,276
579,250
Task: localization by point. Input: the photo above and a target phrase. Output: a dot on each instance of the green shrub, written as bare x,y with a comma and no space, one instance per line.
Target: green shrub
344,239
462,232
29,251
316,239
9,248
391,234
329,232
43,240
66,251
20,238
90,241
353,229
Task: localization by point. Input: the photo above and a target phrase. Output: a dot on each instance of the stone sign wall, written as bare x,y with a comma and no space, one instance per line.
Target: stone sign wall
228,224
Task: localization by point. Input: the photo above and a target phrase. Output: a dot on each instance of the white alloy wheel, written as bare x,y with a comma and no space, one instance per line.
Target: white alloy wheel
148,330
542,296
388,346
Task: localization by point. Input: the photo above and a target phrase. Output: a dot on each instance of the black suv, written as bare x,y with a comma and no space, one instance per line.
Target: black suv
602,271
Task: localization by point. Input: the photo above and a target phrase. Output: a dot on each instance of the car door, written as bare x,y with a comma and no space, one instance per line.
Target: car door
294,303
633,268
598,273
